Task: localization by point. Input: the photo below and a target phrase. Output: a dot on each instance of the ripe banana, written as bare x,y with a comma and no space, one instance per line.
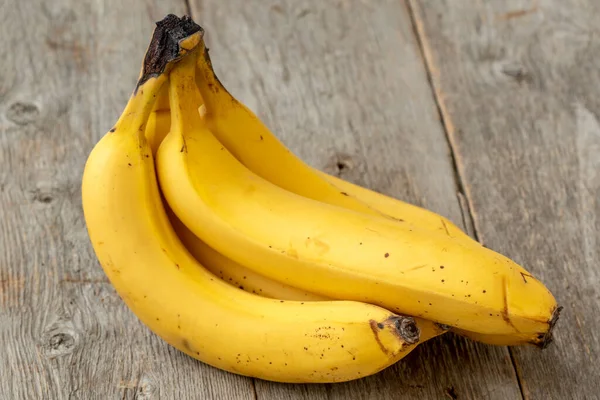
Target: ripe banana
397,209
240,276
193,310
248,280
158,127
265,155
234,273
158,121
333,251
251,142
225,268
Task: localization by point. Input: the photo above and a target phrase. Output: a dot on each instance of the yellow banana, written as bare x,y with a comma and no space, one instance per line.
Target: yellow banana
269,158
333,251
234,273
158,127
238,275
253,144
193,310
250,141
250,281
158,121
397,209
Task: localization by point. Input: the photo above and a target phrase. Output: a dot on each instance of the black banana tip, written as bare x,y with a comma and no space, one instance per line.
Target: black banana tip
164,46
546,339
407,329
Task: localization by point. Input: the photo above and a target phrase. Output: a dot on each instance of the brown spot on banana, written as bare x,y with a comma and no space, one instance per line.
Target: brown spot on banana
505,313
292,253
320,246
416,268
525,276
445,227
186,345
375,327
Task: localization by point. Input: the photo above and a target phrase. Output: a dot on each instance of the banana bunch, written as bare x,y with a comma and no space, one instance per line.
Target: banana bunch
234,251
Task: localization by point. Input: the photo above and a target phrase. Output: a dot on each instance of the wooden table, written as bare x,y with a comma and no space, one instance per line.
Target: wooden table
487,112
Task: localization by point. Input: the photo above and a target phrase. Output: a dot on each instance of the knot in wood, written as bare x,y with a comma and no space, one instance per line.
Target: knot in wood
22,113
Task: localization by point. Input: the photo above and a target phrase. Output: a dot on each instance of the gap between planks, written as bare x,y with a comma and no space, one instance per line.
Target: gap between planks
463,195
188,8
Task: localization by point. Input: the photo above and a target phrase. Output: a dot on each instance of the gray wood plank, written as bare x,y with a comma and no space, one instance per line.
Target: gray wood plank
68,67
519,84
343,83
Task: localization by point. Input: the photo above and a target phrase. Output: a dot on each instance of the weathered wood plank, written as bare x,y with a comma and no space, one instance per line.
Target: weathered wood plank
342,83
68,68
518,82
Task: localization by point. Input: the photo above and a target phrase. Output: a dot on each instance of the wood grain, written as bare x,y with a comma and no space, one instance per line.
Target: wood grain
518,85
68,67
344,86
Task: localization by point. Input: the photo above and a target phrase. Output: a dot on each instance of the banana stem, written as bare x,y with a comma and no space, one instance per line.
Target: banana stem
207,81
183,94
173,37
140,105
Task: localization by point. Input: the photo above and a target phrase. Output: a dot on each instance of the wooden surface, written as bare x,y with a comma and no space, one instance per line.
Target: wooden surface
68,68
473,109
518,85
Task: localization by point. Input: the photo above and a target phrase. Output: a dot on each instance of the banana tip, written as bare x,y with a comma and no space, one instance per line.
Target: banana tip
547,338
407,329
